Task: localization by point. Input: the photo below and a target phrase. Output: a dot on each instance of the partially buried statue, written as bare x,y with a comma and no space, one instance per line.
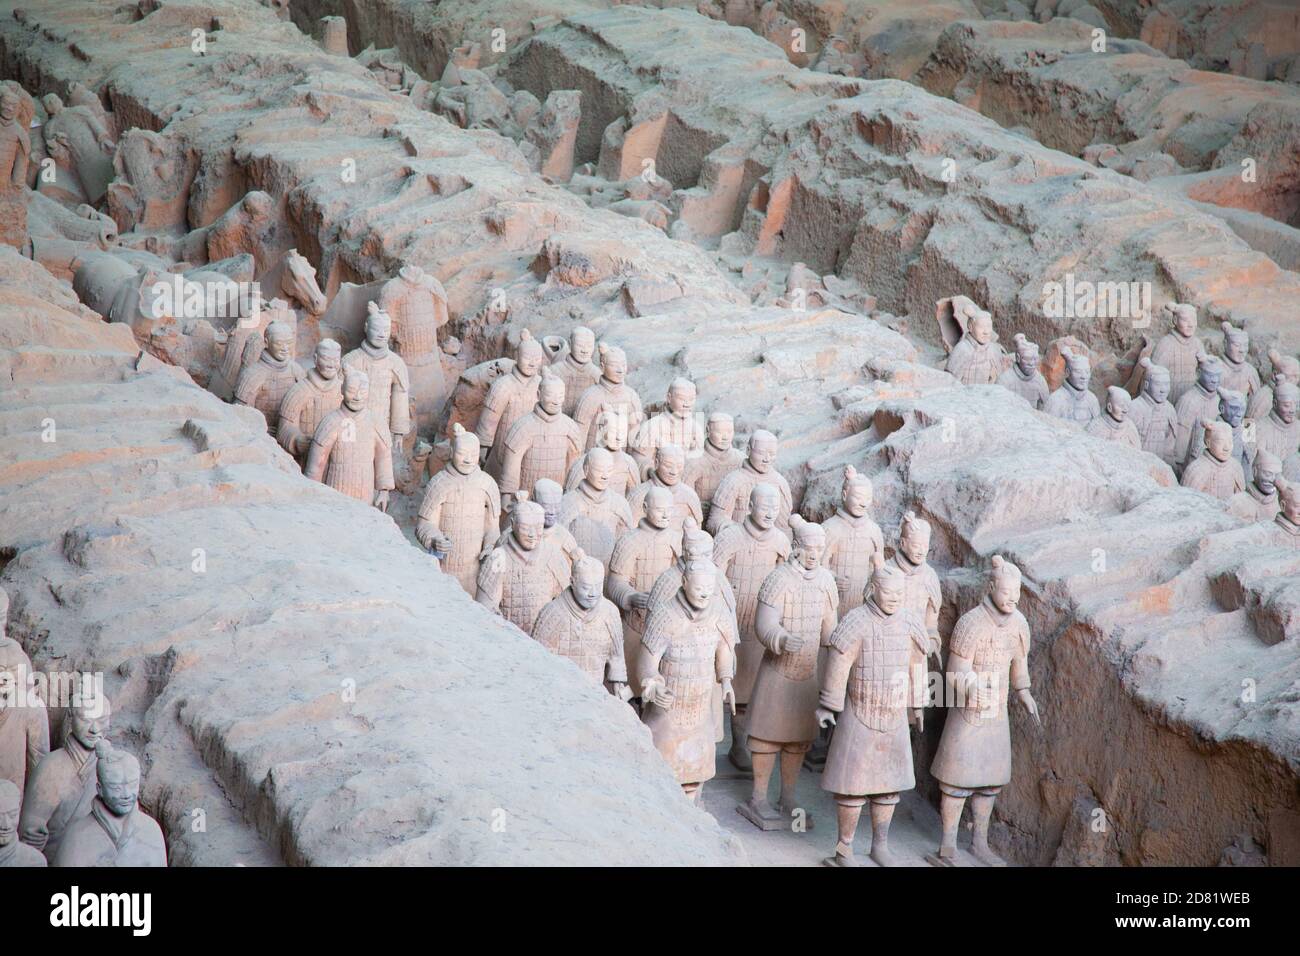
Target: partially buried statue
510,398
611,435
1286,368
1259,501
389,394
62,789
1239,375
1154,415
1279,431
1023,376
1216,472
522,576
585,627
417,303
460,514
594,514
349,452
13,852
1179,349
307,402
988,657
264,384
549,496
1286,525
1072,401
667,473
1199,402
116,832
675,425
1113,424
541,444
852,539
977,359
612,394
717,458
731,499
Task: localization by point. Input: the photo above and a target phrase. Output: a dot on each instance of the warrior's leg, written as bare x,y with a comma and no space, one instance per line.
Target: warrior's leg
882,811
981,808
764,764
758,810
692,791
791,763
950,806
848,810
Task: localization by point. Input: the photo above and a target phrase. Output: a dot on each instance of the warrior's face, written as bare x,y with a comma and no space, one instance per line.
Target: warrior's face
698,585
1005,593
1157,388
119,786
1208,376
280,347
888,591
981,329
1219,443
87,728
464,453
1232,413
356,391
551,396
328,363
582,345
658,508
528,530
378,330
681,400
1079,374
669,465
1027,360
614,367
550,502
1266,478
857,498
529,359
598,472
8,813
914,542
1185,322
764,506
1117,409
722,432
1290,504
613,431
8,107
762,452
1234,347
809,553
1284,406
588,581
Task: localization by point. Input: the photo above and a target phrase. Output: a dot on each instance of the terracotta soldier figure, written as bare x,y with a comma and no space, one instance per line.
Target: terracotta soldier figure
977,359
510,398
1072,401
1178,350
922,594
460,513
541,444
264,384
1286,368
747,553
15,152
706,470
1232,409
349,452
576,368
116,832
1199,402
307,402
390,382
24,724
1113,424
594,514
417,303
549,496
62,788
611,435
851,540
1286,525
1279,431
585,627
610,393
1023,376
1239,375
988,656
669,466
640,556
1215,472
676,425
1154,415
870,758
522,576
797,611
731,499
13,852
1259,501
683,653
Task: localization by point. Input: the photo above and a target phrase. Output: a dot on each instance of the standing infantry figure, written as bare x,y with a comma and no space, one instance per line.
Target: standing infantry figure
676,425
1285,369
988,654
921,592
1154,415
1024,376
522,576
307,402
1113,424
576,369
510,398
670,465
1072,401
1216,472
542,444
747,553
1286,525
797,611
585,627
706,470
976,359
870,756
14,853
1279,431
460,513
116,832
682,654
24,724
549,495
417,303
15,151
348,451
731,499
592,512
1232,410
62,788
1259,501
390,383
852,538
640,556
1239,375
1199,402
610,394
1179,349
611,435
264,384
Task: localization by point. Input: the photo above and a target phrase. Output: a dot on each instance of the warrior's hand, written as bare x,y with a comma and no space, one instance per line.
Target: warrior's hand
657,693
789,643
300,444
729,695
381,501
935,647
441,543
825,717
641,600
1031,705
621,691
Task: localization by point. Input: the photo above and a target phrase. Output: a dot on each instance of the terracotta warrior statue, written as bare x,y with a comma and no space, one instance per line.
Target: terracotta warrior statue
264,384
576,368
15,152
417,303
669,467
461,512
977,359
747,553
706,470
1215,472
544,443
682,654
1113,424
1154,415
1232,410
797,611
585,627
549,496
1023,376
1286,525
611,435
307,402
611,393
1279,431
1286,368
24,724
594,514
852,538
870,758
522,576
676,425
349,452
988,656
116,832
13,852
1239,375
390,381
510,398
1072,401
639,557
1259,501
731,499
62,788
1179,349
1199,402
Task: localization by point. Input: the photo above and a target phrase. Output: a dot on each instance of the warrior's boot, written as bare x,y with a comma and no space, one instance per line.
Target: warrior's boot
847,810
881,814
981,808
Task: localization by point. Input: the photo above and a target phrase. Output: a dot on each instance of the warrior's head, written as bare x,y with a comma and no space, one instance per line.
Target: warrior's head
887,587
762,450
527,522
914,538
721,430
118,774
279,341
809,543
856,493
1286,368
582,344
1117,403
588,580
379,326
89,719
658,506
1078,370
1155,381
764,505
1027,356
1004,584
1218,439
1209,371
464,449
699,581
681,398
1285,398
1184,316
598,468
670,463
550,394
613,364
981,327
1232,406
548,494
611,429
329,359
1288,498
1236,343
697,544
530,356
356,388
1267,470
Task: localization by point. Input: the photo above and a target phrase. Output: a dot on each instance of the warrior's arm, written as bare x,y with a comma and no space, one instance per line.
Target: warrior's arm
491,585
724,661
768,629
288,433
427,521
491,517
724,498
512,463
616,662
318,456
248,387
647,669
384,465
619,589
840,651
399,407
38,807
490,417
38,739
